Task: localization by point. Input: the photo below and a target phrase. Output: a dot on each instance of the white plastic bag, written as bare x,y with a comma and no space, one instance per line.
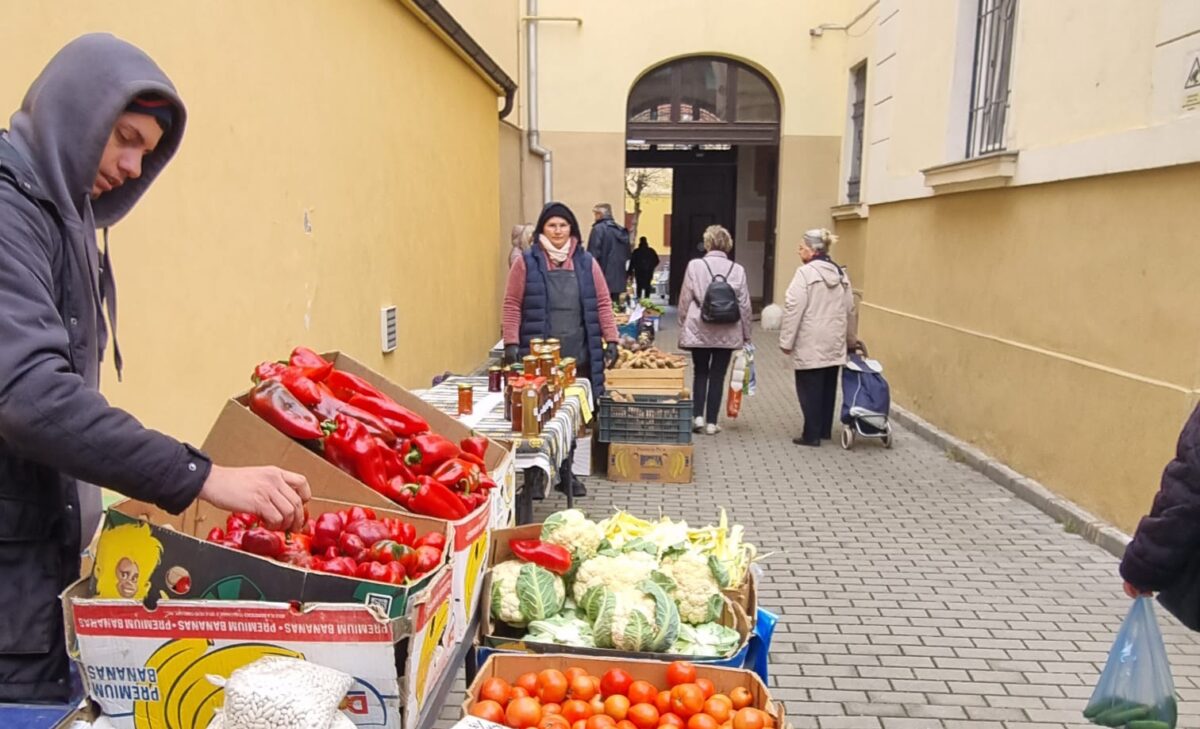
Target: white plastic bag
282,693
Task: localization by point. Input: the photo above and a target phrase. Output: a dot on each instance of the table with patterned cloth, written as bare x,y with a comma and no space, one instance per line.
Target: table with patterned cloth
544,454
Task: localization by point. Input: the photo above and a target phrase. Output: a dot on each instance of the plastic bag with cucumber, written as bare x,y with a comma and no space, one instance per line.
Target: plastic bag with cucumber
1135,691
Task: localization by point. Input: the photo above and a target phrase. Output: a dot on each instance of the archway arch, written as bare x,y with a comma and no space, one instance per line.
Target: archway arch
714,121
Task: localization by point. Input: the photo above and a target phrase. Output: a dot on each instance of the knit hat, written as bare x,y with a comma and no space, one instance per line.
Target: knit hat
156,106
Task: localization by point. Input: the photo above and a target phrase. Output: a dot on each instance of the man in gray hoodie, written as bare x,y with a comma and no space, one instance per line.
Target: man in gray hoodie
95,129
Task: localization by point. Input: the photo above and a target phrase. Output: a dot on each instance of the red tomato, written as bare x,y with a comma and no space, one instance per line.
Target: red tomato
529,682
581,724
741,697
601,721
523,712
614,682
643,716
574,671
626,724
575,710
702,721
489,711
495,689
641,692
616,706
662,702
552,686
583,688
671,720
680,672
706,686
518,692
749,719
553,721
686,699
551,708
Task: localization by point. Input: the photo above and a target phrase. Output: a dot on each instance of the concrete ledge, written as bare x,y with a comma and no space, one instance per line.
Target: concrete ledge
1068,513
977,173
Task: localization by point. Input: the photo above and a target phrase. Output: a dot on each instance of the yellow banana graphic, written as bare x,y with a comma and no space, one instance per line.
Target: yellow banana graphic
168,661
433,638
475,558
192,699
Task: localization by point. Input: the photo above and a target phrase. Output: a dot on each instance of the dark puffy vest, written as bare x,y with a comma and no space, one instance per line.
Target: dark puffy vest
535,309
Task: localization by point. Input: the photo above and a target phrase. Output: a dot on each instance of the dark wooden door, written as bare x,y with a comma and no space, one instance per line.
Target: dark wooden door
701,195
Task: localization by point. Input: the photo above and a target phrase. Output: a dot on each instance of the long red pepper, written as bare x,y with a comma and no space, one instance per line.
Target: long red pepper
354,450
330,407
433,499
314,365
553,557
272,402
346,385
403,422
476,445
430,451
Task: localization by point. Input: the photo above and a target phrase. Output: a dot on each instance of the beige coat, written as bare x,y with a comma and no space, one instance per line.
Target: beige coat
819,319
694,332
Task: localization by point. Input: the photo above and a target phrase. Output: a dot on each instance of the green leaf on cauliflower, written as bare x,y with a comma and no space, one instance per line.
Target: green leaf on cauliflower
666,617
663,581
707,640
552,522
538,593
676,549
639,633
592,601
716,608
602,625
641,545
562,629
720,574
497,599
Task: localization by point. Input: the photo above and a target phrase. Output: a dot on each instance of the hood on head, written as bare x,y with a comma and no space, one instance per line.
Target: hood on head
557,210
831,275
68,114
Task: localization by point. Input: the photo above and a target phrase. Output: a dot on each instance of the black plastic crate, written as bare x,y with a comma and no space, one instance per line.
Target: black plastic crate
648,419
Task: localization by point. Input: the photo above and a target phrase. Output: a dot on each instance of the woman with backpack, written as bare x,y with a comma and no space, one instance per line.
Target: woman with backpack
819,326
714,320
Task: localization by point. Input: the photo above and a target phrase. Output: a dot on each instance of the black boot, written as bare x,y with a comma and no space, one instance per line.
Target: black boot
577,487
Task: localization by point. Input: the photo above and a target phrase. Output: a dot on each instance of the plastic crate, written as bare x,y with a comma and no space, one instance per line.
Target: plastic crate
648,419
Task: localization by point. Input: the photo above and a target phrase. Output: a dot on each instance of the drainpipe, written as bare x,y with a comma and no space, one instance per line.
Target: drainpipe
531,86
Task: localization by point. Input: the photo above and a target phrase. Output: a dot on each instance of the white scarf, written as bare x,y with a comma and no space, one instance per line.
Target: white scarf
558,255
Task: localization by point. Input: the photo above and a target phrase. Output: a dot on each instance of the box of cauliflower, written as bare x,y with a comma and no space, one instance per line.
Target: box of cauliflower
621,587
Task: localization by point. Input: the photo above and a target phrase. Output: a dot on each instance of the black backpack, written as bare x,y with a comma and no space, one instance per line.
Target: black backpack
720,305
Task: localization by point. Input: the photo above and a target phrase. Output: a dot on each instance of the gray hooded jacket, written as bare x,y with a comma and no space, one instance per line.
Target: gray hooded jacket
58,435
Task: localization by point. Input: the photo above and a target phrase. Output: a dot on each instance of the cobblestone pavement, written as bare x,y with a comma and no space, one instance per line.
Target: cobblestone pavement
913,592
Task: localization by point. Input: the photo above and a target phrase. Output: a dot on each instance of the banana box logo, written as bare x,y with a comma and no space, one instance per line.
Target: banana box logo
126,557
185,696
435,642
471,542
650,464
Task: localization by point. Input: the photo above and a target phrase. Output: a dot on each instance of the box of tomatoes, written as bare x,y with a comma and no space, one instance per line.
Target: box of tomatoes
521,691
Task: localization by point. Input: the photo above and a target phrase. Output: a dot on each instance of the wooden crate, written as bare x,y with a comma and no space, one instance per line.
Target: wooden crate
646,382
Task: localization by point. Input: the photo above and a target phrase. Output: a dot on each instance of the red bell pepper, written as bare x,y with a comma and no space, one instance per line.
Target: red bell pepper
476,445
428,559
298,558
403,422
432,539
464,456
234,538
272,402
433,499
351,448
368,530
429,451
309,525
240,520
328,528
486,483
473,500
396,573
458,475
389,550
346,386
263,542
401,531
268,371
298,541
553,557
340,566
303,387
372,571
216,534
359,513
352,546
394,464
315,366
332,552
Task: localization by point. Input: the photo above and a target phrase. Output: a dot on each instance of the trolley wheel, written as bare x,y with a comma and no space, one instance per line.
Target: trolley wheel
887,440
847,438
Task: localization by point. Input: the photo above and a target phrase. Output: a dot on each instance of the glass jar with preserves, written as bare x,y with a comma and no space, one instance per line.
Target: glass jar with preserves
507,373
529,365
569,367
516,403
466,398
495,379
536,345
530,423
554,349
546,366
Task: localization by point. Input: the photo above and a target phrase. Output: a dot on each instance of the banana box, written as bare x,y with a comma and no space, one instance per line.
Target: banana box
146,554
151,668
241,438
652,463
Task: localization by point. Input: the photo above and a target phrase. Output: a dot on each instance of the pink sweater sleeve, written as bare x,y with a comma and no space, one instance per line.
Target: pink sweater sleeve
514,297
608,322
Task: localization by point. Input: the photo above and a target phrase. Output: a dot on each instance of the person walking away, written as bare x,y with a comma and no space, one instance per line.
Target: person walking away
556,289
711,343
94,131
643,261
609,245
522,237
819,327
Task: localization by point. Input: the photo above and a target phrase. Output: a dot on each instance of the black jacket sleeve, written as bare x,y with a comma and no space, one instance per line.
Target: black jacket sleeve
597,245
48,414
1169,536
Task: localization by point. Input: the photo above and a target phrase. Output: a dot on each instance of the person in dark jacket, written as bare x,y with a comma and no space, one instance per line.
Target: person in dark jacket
94,131
1168,538
643,262
609,245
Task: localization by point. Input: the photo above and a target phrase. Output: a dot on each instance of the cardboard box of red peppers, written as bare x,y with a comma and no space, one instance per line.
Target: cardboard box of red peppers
369,450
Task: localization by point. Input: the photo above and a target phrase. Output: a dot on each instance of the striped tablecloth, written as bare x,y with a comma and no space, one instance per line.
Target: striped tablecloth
547,452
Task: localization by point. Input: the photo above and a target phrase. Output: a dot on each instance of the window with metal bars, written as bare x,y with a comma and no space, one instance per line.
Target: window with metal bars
990,77
858,96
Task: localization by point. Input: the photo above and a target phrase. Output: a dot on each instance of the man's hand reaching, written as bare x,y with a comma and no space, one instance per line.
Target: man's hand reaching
276,495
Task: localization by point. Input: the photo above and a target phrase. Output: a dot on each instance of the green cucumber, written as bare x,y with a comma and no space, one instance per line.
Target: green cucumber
1147,724
1122,716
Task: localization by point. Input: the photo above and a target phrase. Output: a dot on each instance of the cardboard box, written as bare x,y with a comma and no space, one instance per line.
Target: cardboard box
144,552
241,438
495,634
649,462
646,382
147,669
511,666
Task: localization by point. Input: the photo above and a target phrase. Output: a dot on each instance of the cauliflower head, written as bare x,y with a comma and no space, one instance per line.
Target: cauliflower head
697,592
630,601
523,592
636,618
617,573
570,528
